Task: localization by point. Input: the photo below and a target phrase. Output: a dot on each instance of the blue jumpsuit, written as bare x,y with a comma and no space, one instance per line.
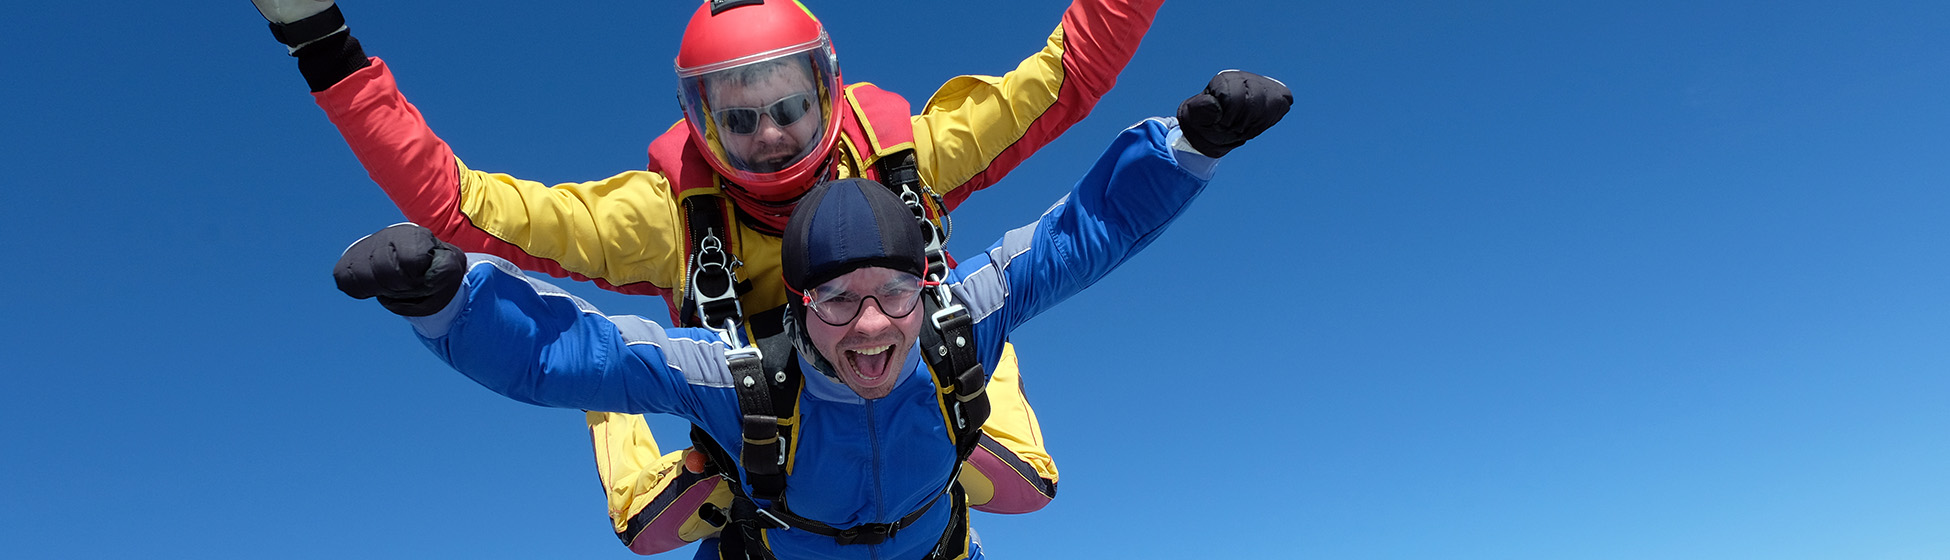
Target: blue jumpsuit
856,460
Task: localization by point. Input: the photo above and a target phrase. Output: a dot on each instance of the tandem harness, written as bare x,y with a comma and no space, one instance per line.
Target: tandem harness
769,403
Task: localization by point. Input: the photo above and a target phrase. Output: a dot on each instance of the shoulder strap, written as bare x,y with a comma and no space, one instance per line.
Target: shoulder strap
948,338
711,285
899,172
765,394
948,345
767,402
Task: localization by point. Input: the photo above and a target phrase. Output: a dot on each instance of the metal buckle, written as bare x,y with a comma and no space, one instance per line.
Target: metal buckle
948,313
783,526
712,261
874,533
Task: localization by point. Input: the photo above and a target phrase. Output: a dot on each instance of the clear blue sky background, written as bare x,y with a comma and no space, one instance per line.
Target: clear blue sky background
1526,280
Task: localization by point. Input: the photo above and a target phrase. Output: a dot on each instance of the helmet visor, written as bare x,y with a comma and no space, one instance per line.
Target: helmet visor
762,117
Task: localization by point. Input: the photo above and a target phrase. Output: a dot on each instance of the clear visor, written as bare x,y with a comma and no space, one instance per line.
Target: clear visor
764,116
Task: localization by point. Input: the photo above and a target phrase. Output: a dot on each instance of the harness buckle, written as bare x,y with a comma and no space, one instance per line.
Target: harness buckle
782,525
951,316
871,533
714,287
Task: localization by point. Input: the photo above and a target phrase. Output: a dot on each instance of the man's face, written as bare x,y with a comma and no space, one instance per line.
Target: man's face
869,350
770,146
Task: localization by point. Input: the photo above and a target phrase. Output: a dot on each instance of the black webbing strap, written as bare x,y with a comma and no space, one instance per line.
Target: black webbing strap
865,533
948,341
712,302
948,345
712,295
954,541
749,544
763,452
742,523
900,174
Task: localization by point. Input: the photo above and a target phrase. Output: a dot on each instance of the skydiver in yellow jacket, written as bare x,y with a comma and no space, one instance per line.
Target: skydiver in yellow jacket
766,116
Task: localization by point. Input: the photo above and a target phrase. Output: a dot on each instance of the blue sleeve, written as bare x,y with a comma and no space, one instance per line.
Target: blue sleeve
532,342
1136,188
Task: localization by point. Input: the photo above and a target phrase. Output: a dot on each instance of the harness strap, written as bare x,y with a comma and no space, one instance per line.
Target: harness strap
712,298
953,543
865,533
948,346
748,519
900,173
712,302
763,453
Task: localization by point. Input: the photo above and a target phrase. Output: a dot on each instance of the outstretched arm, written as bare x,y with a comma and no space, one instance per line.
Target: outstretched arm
1143,182
619,231
529,340
532,342
1135,189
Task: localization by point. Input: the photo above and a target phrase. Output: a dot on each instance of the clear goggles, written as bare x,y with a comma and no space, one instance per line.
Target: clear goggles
839,301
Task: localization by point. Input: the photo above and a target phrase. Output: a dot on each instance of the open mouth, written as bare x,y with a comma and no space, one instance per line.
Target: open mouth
871,363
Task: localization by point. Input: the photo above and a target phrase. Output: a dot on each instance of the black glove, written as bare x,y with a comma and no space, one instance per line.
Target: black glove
1235,107
297,23
314,31
412,273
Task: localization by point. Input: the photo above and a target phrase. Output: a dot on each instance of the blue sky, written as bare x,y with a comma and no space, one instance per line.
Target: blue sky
1513,280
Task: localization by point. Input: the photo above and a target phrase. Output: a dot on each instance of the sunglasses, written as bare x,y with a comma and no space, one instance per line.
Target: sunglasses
784,112
839,302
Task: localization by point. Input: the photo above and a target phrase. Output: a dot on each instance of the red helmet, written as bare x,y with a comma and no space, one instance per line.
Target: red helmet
760,88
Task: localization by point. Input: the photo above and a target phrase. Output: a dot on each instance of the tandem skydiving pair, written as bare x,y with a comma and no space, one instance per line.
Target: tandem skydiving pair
766,115
853,449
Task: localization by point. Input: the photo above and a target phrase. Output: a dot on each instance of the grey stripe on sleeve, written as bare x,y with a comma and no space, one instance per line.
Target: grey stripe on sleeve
701,361
984,290
1016,242
541,287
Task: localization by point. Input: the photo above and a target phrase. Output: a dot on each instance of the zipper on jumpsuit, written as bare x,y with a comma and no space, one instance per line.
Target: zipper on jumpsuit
879,494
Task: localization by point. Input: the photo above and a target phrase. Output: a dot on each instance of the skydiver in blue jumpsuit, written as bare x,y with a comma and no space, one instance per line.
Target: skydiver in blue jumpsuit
871,444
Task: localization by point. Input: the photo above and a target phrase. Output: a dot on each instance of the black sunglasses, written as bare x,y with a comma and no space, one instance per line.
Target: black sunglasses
784,112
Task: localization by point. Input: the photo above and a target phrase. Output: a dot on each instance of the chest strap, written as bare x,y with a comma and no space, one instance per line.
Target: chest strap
712,302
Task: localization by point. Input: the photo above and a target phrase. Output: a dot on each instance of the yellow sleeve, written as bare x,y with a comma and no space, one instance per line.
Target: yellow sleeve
975,129
971,120
621,230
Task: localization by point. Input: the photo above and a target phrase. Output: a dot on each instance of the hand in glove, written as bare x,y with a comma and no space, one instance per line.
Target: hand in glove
1235,107
411,272
297,23
287,11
